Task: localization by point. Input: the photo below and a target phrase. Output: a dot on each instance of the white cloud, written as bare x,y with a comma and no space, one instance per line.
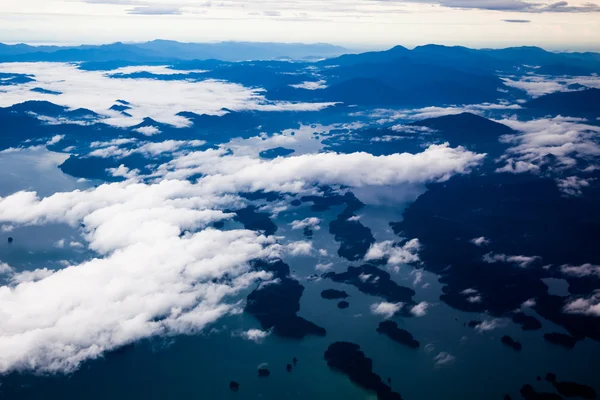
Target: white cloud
7,228
572,185
490,325
255,335
408,253
300,248
55,139
521,261
538,85
148,130
418,274
516,167
469,291
586,306
124,172
31,276
149,148
311,85
291,174
581,270
384,116
311,222
60,243
420,309
5,268
323,267
480,241
167,286
568,139
157,99
474,299
528,303
385,309
444,358
153,69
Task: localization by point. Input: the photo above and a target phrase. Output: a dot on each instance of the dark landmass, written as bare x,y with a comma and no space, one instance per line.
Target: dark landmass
354,238
10,240
296,202
333,294
263,372
560,339
276,152
96,167
512,211
509,341
472,131
574,104
256,221
276,305
529,393
527,322
351,361
375,282
288,367
402,336
307,232
120,107
295,361
45,91
571,389
233,385
343,305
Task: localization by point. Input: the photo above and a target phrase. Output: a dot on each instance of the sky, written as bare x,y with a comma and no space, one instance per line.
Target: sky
359,24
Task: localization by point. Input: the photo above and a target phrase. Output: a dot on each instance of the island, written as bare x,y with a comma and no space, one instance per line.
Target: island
343,304
332,294
510,342
347,358
275,305
402,336
571,389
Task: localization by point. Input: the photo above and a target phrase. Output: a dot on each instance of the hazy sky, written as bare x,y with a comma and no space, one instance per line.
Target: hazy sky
355,23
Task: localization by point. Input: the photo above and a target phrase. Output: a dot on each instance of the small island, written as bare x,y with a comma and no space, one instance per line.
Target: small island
571,389
350,360
332,294
343,304
509,341
402,336
527,322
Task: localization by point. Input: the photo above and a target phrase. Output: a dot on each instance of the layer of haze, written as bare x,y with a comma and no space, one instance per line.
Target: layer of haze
354,23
